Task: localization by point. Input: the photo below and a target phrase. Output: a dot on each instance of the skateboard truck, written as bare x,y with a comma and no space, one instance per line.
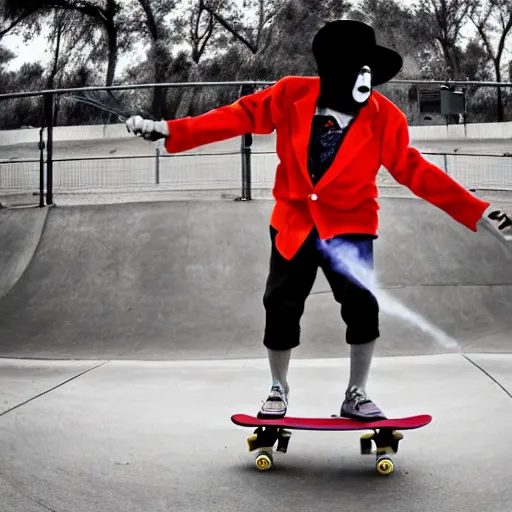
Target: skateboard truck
386,441
268,436
263,439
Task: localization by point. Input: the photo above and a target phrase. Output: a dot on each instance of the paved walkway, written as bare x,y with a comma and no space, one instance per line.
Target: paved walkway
130,436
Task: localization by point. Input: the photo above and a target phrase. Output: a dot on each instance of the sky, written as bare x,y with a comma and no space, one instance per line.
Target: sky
37,50
26,52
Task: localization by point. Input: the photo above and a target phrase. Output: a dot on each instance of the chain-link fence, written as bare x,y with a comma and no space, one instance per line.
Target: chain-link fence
219,171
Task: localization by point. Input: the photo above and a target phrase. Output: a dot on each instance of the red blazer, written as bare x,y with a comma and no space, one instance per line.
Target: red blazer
345,199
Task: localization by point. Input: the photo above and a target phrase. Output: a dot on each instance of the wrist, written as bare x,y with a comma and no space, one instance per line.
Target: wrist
162,127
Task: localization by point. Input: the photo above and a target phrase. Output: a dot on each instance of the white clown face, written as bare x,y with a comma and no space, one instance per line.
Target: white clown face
363,86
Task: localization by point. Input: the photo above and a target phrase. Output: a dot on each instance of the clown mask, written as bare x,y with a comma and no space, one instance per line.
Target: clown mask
350,64
347,89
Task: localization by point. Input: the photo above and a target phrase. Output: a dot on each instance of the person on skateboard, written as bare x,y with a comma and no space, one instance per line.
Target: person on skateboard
334,132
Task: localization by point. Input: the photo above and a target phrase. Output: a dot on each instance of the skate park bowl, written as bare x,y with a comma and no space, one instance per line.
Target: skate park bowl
130,333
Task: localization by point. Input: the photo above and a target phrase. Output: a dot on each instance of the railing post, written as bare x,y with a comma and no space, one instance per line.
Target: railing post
41,169
245,153
246,167
49,147
157,165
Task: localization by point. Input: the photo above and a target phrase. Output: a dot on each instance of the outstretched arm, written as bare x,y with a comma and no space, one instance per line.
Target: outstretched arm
427,181
254,113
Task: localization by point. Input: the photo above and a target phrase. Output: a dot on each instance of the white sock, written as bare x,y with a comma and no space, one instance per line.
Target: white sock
279,361
360,362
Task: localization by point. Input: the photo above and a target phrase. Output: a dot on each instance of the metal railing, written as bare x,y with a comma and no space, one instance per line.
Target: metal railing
244,166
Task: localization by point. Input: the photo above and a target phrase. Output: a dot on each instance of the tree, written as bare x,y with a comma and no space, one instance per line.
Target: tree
442,22
102,14
295,25
396,27
21,111
493,19
252,25
475,62
152,14
69,36
6,56
197,30
9,21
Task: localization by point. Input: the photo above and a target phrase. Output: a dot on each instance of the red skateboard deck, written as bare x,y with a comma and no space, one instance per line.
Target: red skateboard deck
336,423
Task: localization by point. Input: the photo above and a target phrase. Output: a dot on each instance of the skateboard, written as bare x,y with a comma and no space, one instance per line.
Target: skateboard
385,435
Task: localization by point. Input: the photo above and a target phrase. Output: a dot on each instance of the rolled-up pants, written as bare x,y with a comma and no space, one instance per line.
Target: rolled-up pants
289,284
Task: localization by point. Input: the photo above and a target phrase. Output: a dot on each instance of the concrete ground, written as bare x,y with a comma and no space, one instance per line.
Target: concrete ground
130,334
130,436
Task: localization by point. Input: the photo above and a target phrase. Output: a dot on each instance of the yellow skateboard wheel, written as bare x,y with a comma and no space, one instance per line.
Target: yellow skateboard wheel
385,466
264,461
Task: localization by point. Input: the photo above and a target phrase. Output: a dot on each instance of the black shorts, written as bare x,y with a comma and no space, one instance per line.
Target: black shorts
289,283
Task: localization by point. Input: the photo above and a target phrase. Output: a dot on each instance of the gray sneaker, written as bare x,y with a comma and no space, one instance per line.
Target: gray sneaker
357,406
276,404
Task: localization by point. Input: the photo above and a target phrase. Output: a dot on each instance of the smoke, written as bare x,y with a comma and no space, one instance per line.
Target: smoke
346,258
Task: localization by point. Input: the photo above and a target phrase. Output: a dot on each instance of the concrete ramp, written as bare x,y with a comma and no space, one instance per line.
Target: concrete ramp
184,280
20,232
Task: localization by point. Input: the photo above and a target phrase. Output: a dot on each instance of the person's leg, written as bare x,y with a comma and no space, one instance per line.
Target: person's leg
279,362
288,285
360,312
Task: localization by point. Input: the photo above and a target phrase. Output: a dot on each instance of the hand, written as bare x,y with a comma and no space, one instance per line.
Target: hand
499,221
147,129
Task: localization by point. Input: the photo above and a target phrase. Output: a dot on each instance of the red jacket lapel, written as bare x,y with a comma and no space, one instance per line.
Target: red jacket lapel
303,112
357,137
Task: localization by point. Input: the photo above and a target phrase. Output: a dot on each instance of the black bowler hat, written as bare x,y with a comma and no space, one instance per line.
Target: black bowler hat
356,40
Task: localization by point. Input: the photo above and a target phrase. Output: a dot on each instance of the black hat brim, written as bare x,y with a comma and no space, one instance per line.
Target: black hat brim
385,65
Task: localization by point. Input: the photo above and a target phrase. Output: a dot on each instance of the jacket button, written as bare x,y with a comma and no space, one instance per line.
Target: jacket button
313,197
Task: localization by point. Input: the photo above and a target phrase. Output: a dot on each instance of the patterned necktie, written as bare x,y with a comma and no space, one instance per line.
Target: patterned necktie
325,141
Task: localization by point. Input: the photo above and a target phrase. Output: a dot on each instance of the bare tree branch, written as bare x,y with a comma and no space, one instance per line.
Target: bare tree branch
14,24
229,27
